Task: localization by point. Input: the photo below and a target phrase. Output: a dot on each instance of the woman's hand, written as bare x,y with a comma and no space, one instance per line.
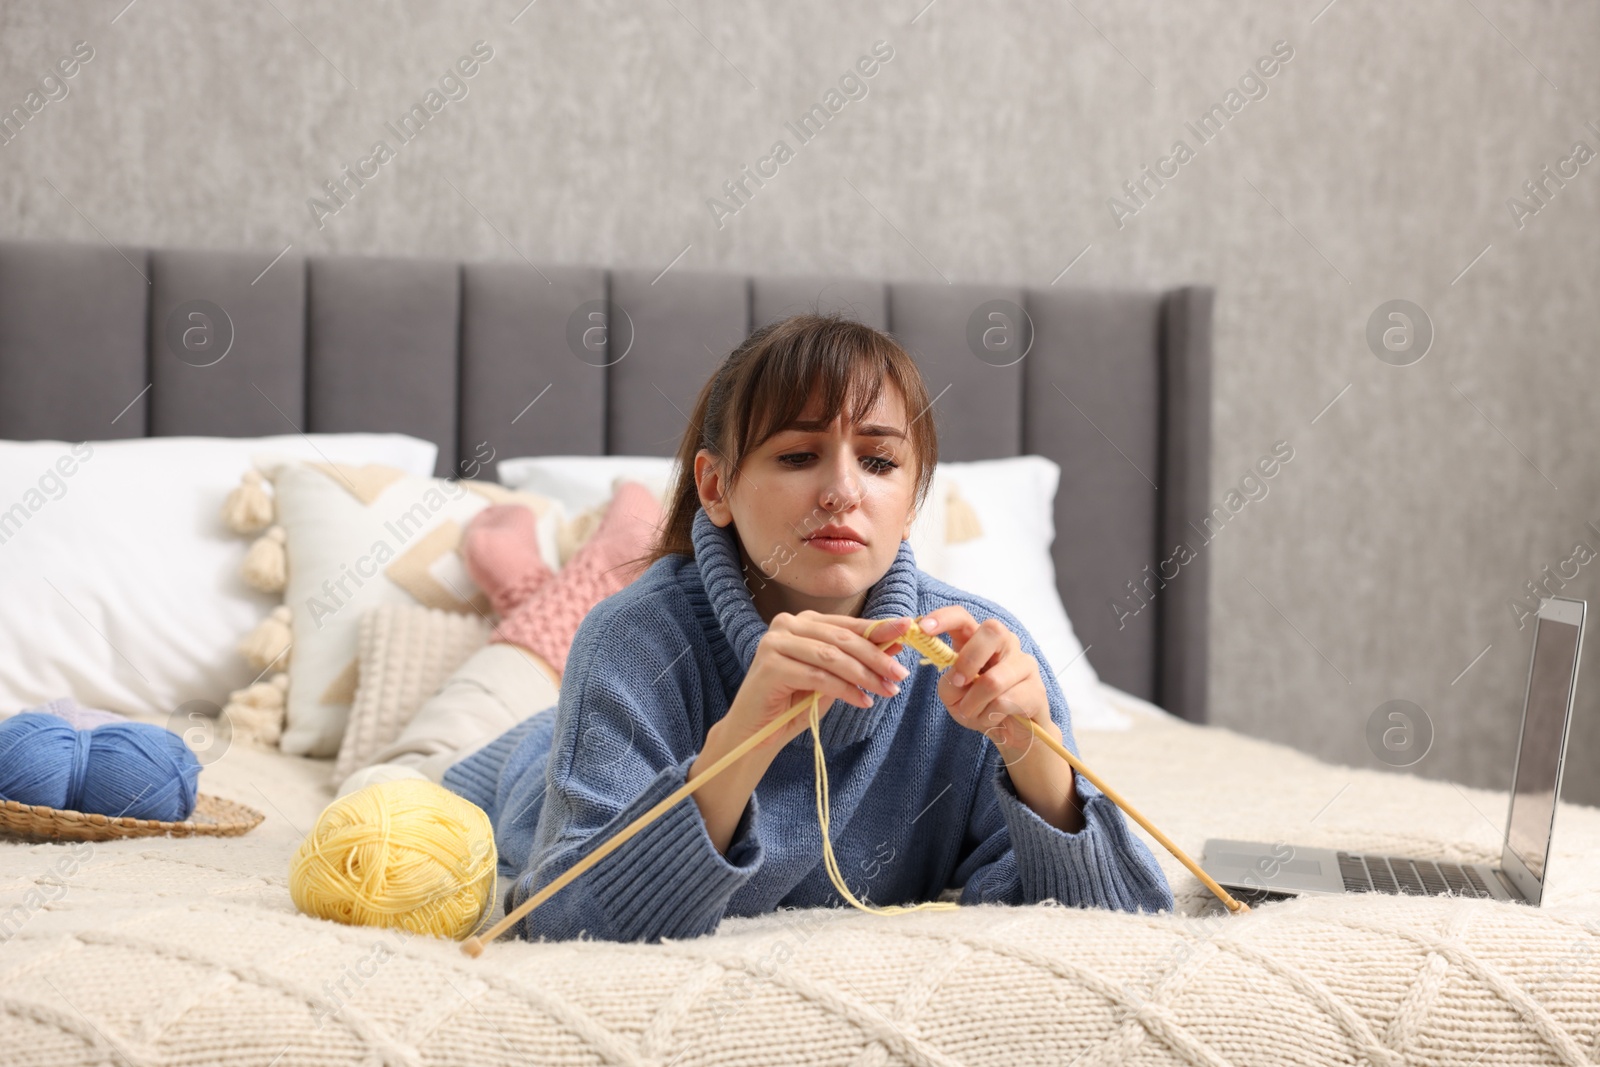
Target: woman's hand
808,652
798,655
991,680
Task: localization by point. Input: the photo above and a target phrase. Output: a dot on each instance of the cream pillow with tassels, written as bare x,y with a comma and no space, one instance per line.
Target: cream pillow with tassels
961,522
337,541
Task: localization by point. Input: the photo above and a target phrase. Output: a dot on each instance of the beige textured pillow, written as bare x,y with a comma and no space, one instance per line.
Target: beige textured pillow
405,652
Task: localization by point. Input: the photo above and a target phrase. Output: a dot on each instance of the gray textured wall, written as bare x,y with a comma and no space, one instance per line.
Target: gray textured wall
1384,559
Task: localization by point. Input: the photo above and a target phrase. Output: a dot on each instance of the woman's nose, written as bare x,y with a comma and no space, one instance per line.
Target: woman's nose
840,493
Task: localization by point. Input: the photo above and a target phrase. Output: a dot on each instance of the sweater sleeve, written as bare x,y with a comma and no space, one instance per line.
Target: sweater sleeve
1013,856
506,779
612,759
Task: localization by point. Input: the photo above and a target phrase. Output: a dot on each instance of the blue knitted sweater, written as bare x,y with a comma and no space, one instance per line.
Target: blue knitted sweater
918,803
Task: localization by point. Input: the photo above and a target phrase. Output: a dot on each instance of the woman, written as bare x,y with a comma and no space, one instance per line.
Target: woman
802,468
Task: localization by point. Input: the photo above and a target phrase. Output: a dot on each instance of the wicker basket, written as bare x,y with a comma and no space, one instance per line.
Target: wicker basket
212,815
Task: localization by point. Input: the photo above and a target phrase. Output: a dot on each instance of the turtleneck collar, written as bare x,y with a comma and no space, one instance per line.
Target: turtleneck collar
894,595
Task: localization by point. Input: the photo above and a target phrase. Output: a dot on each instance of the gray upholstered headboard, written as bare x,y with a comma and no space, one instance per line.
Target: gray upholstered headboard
1112,385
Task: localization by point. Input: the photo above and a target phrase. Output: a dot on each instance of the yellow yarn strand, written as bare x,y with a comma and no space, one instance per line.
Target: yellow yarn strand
930,648
407,853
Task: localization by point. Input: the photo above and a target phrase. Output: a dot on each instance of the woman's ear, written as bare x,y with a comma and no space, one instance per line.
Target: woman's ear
712,488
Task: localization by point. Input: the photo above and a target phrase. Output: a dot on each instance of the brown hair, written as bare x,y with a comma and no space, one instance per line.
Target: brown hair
764,385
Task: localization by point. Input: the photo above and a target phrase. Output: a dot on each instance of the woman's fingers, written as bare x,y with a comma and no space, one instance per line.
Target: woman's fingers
859,659
988,664
952,619
810,676
877,631
826,668
975,704
983,644
884,630
874,631
840,663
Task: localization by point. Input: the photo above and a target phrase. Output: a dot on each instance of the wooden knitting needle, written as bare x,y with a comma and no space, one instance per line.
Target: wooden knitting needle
939,652
473,946
1061,750
935,651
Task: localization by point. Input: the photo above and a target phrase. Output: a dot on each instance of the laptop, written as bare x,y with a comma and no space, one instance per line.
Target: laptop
1254,871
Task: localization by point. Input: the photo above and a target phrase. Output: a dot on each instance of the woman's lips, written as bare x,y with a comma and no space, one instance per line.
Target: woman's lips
838,546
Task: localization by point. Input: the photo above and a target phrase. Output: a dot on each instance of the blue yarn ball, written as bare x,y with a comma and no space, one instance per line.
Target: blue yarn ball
128,769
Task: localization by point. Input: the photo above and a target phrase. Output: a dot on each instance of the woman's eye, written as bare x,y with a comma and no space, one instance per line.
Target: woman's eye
879,463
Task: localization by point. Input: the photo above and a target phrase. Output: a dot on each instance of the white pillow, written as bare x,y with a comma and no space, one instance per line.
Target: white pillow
121,584
1013,500
580,483
357,538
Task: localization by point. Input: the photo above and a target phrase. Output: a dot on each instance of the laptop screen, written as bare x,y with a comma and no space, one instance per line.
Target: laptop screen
1533,790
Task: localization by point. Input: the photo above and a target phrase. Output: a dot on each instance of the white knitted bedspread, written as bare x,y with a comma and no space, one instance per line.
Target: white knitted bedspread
169,951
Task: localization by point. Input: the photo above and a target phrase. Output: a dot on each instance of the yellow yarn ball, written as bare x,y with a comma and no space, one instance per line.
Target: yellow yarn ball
406,853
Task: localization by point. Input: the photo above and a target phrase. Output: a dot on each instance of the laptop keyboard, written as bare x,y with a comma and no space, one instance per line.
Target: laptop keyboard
1395,874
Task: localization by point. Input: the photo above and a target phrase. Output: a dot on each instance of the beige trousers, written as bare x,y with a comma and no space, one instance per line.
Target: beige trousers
498,687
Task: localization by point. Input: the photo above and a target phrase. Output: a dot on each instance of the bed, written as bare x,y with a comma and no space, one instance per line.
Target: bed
168,950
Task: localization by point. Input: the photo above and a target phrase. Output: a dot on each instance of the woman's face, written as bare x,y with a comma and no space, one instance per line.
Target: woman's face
800,485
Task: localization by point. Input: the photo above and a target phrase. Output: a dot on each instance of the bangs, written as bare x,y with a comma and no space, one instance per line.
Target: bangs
848,364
